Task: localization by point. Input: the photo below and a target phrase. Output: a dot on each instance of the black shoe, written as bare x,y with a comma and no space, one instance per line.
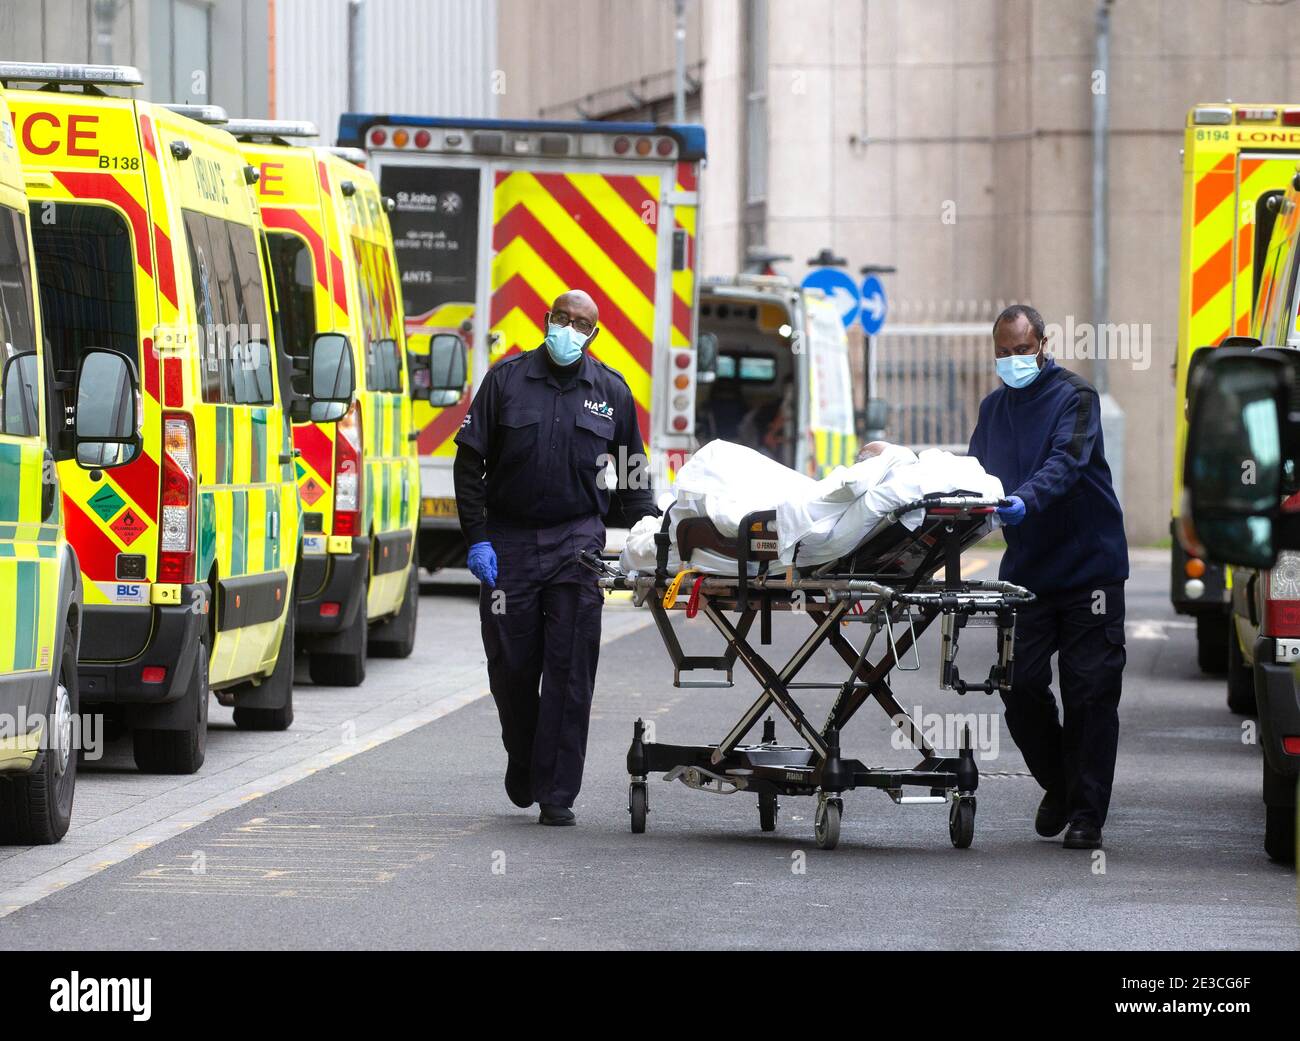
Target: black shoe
519,785
557,816
1082,835
1051,818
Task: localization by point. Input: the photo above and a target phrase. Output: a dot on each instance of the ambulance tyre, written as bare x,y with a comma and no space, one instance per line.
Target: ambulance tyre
343,668
35,809
1212,644
395,638
1241,680
279,682
179,751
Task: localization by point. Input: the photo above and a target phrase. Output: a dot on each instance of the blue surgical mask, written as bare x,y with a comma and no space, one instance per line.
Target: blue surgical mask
1018,370
564,344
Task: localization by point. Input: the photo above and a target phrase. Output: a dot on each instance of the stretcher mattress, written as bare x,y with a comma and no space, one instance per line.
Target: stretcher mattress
819,521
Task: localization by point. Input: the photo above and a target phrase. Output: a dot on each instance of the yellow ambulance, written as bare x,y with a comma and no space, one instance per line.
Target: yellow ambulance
40,584
147,245
1236,159
332,261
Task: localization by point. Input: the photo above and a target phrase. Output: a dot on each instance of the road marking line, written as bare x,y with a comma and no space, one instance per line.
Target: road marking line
126,846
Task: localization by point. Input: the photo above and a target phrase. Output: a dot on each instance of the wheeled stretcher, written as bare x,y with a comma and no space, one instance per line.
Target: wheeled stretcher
896,581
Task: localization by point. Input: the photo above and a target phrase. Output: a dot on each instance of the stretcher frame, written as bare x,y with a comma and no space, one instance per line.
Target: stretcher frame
889,578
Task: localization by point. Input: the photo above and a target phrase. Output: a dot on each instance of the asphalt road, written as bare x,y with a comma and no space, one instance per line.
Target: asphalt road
412,843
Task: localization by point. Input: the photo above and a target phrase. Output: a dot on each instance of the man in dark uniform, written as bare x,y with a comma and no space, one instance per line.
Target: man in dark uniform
1040,434
534,456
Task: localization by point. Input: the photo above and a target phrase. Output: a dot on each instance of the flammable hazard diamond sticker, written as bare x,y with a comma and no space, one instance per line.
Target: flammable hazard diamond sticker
106,502
128,527
310,490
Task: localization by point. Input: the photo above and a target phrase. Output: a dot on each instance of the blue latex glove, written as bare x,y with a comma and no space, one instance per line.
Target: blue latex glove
1014,511
483,562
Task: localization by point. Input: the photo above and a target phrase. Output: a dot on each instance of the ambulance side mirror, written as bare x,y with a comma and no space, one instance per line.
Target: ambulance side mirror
106,428
1240,458
438,376
331,377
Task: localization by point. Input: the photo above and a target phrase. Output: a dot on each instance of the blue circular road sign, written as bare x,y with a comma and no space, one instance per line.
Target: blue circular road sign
839,287
874,305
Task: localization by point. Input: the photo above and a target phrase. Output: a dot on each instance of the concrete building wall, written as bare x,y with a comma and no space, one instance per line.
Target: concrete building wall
233,71
952,138
423,57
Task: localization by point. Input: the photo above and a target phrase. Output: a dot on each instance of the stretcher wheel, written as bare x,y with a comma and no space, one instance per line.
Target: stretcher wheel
638,805
826,824
767,812
961,821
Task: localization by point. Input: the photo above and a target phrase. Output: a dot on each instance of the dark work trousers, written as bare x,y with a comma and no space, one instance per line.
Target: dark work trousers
541,632
1085,629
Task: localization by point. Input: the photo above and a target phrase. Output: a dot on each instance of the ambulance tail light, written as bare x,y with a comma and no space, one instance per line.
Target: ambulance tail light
348,474
1291,117
176,527
681,393
1282,596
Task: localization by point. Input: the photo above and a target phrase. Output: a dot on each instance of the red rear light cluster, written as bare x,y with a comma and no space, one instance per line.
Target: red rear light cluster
349,473
176,525
1282,596
1291,744
681,392
643,146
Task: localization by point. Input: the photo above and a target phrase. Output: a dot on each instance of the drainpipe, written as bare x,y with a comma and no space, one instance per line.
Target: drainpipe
356,54
1112,416
679,69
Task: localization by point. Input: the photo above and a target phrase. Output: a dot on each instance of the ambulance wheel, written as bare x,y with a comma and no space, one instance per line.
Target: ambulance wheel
179,751
346,669
395,638
961,821
279,682
1241,680
767,812
36,808
638,805
826,823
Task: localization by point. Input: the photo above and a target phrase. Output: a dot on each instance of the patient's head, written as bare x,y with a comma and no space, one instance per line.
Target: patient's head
871,449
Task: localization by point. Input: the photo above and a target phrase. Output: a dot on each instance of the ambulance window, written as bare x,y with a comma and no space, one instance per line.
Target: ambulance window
291,269
231,311
85,267
379,316
16,321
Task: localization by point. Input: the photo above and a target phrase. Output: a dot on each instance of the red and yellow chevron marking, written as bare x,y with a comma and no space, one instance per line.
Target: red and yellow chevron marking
597,232
1221,190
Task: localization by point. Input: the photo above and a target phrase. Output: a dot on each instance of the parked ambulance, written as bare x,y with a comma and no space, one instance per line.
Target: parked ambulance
1236,158
186,528
331,256
773,372
40,582
495,218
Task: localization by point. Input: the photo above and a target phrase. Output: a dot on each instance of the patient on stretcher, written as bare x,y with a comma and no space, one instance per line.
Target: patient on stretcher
820,520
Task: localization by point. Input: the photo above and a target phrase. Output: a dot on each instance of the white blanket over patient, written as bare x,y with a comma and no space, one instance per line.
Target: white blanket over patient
825,519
